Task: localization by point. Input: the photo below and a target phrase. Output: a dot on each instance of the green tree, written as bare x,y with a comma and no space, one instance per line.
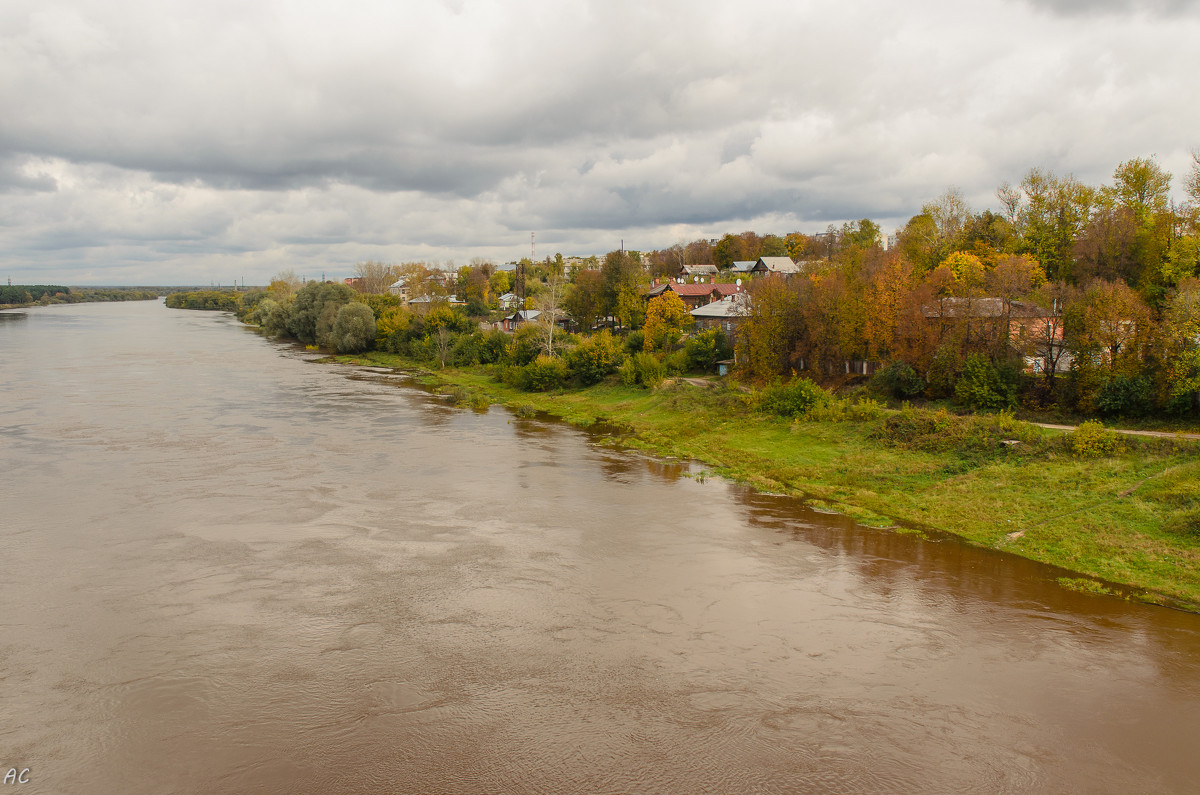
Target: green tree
1183,261
860,234
353,328
316,304
1142,186
1054,212
729,249
621,273
773,246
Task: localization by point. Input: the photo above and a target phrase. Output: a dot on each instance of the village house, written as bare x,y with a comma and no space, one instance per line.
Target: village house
509,301
1036,333
690,272
694,295
511,322
780,265
400,289
426,302
725,314
745,267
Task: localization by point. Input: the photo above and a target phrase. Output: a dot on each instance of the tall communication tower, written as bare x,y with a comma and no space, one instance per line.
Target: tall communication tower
532,248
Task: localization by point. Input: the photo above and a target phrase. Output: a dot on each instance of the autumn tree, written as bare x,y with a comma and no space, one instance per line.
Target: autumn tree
1048,340
498,283
1105,247
1183,261
801,247
861,234
1181,346
1141,189
699,252
373,277
666,319
1142,186
1013,278
1109,330
1191,183
284,285
767,336
816,334
585,300
885,284
474,286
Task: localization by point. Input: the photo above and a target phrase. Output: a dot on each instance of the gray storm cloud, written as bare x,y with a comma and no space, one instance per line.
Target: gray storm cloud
171,141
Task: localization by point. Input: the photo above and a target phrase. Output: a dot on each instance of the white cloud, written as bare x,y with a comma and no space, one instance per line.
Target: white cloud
192,139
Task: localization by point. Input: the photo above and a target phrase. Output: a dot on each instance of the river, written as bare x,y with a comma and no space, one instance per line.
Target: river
226,568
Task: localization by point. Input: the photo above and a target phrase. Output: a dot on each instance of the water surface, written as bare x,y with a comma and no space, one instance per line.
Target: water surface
228,569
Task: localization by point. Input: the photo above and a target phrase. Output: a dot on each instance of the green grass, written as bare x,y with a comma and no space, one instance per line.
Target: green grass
1131,519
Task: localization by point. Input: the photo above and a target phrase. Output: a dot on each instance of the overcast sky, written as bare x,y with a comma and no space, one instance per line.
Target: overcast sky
186,142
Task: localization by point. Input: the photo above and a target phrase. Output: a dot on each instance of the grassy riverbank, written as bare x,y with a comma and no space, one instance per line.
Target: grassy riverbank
1131,518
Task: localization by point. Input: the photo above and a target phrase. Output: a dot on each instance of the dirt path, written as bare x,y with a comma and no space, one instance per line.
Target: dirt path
1158,434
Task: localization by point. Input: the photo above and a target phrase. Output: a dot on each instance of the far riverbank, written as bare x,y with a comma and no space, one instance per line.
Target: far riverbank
1126,520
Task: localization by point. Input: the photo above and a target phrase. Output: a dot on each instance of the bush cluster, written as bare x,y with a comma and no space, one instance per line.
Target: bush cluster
644,370
793,399
978,436
1092,440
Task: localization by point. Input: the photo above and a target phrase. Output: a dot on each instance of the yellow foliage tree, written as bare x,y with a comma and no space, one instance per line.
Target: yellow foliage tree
666,318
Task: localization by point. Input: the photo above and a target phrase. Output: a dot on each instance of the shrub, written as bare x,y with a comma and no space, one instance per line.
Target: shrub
635,341
389,322
976,438
981,387
898,380
353,328
643,369
525,346
493,346
943,371
844,411
707,348
595,358
912,428
1123,396
793,399
1092,440
544,374
468,349
676,363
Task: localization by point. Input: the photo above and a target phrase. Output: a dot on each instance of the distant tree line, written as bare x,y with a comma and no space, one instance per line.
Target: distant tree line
23,294
1112,273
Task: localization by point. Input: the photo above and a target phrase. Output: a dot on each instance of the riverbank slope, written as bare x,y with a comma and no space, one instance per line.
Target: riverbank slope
1129,518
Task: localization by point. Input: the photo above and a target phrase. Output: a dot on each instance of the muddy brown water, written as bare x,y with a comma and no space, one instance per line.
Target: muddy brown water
228,569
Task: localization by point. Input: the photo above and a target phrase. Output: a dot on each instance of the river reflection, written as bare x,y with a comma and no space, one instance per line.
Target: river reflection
229,569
